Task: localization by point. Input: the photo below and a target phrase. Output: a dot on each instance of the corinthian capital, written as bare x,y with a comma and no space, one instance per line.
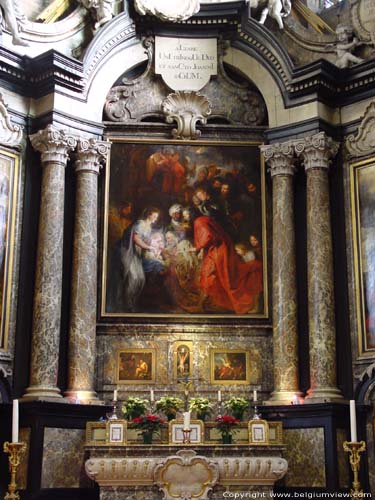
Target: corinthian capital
280,158
91,154
53,144
316,151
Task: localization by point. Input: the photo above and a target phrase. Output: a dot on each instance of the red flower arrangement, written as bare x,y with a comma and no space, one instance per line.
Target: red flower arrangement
227,424
148,424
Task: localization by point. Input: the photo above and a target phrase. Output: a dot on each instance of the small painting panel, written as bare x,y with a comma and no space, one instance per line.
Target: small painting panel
230,366
182,359
258,432
136,366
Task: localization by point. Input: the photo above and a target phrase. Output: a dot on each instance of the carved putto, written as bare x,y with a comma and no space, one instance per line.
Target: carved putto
167,10
187,109
10,135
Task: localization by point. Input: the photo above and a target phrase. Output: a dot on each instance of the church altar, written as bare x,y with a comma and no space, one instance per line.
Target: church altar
181,472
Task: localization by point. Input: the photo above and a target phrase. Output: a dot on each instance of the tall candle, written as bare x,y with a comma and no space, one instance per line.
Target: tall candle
152,396
186,420
219,396
115,395
255,395
15,421
353,422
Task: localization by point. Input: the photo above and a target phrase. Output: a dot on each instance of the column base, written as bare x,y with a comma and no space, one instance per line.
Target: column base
324,395
42,393
283,398
82,397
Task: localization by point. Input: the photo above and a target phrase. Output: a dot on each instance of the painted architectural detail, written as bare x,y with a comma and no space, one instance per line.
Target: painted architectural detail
10,135
186,475
187,109
363,143
167,10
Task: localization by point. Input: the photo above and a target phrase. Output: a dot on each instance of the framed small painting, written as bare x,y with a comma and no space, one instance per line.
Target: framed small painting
182,359
136,366
9,173
184,230
116,432
258,432
229,366
362,177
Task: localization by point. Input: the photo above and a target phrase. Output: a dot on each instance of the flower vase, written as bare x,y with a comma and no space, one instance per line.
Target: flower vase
238,415
147,437
227,438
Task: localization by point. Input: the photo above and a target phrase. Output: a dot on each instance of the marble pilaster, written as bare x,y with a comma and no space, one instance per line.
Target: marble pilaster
280,159
316,152
54,146
82,332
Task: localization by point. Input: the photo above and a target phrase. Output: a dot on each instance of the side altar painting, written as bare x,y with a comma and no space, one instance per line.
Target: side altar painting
184,230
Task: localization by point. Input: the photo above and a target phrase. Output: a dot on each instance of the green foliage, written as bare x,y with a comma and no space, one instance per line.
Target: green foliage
134,407
169,404
236,404
201,405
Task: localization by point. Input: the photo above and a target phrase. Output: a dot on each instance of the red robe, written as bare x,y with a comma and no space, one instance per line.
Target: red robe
231,283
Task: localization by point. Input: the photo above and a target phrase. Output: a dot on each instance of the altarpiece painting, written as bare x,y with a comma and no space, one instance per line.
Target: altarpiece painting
184,230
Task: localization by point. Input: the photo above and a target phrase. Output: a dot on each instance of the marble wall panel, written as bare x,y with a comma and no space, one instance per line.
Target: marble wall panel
342,458
258,342
21,478
63,459
305,469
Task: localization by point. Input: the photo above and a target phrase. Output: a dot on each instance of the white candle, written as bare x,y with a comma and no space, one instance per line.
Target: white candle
219,396
255,396
115,395
353,422
15,421
186,420
152,396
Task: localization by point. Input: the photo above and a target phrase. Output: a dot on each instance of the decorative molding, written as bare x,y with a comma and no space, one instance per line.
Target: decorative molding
280,158
187,109
91,154
10,135
171,476
165,10
53,144
316,151
363,143
5,370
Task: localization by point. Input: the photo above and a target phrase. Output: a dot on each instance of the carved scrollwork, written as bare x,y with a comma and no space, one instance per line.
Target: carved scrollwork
187,109
363,143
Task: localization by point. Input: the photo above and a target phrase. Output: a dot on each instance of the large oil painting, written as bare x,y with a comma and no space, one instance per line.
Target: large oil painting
363,204
184,230
8,192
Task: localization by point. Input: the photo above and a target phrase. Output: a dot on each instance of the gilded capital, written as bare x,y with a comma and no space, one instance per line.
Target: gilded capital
280,158
53,144
316,151
91,154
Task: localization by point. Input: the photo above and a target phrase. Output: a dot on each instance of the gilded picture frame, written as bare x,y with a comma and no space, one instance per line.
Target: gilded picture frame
362,182
116,432
165,203
9,175
229,366
135,366
258,432
176,436
182,359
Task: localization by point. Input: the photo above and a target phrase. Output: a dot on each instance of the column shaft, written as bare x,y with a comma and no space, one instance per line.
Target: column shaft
316,152
54,146
82,332
285,336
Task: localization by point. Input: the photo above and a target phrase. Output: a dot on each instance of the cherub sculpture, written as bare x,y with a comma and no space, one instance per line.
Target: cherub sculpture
12,17
276,9
344,47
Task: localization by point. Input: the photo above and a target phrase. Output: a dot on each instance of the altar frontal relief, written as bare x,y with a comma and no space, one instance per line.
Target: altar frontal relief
184,230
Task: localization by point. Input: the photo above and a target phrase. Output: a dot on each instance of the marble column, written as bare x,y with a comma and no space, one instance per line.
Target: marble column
82,332
316,152
54,146
280,158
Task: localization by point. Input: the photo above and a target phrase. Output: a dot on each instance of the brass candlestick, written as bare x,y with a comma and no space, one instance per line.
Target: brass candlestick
354,449
186,434
15,451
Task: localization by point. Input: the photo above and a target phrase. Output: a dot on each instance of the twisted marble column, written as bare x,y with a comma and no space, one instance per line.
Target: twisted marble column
280,158
54,146
82,332
316,152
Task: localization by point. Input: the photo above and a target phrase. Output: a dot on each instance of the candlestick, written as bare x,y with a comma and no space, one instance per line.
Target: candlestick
219,396
15,451
353,422
15,421
186,436
255,395
186,420
152,395
354,449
